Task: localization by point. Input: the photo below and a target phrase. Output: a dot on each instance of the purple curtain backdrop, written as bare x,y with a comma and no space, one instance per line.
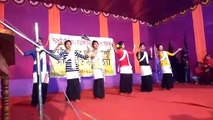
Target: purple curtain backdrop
208,27
78,23
173,32
24,16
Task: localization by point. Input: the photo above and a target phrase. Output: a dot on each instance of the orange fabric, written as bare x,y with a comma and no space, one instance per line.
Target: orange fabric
1,13
103,26
136,42
54,21
200,41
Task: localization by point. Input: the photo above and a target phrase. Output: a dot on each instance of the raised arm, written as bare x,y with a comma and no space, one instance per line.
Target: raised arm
59,44
151,52
172,54
114,46
134,49
130,52
89,49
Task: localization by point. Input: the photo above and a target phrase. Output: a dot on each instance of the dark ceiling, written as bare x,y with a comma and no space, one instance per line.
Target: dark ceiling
150,11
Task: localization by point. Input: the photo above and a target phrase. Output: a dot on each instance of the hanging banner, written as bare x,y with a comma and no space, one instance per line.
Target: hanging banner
57,68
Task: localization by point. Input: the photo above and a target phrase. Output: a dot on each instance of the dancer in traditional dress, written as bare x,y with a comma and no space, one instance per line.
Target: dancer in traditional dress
146,71
167,81
125,68
98,70
44,74
72,70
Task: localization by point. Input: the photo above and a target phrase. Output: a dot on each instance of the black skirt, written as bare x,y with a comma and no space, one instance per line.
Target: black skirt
125,83
98,88
44,90
167,81
73,89
146,83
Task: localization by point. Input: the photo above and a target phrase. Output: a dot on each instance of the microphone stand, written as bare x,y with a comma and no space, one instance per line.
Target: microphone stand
39,49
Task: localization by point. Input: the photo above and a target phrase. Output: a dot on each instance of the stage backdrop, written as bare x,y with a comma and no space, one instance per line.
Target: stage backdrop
77,23
105,46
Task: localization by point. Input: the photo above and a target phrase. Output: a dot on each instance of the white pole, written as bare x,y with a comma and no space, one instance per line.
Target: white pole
28,39
38,59
38,74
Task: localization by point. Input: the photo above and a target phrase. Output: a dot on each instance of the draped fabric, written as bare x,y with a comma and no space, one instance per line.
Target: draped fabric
54,21
200,41
1,13
136,41
103,26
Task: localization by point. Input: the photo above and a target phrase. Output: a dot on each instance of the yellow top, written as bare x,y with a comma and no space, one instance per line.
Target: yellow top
164,59
97,60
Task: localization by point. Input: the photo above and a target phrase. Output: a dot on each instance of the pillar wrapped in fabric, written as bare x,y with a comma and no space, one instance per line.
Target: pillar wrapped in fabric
7,57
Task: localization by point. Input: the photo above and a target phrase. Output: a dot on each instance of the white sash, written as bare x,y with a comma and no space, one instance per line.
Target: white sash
125,54
145,56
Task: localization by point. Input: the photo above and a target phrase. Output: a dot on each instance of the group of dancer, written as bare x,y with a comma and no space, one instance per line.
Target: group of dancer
72,71
146,72
95,55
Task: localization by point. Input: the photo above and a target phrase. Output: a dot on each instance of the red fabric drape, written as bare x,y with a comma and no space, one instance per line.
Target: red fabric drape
54,21
199,34
1,13
103,26
136,42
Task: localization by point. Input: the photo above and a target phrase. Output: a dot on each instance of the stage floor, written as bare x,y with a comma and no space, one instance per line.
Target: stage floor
184,102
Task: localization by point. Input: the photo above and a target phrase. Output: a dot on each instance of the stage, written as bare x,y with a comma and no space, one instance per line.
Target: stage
184,102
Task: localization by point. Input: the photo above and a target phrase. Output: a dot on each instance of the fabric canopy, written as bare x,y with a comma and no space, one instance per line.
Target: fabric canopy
150,11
